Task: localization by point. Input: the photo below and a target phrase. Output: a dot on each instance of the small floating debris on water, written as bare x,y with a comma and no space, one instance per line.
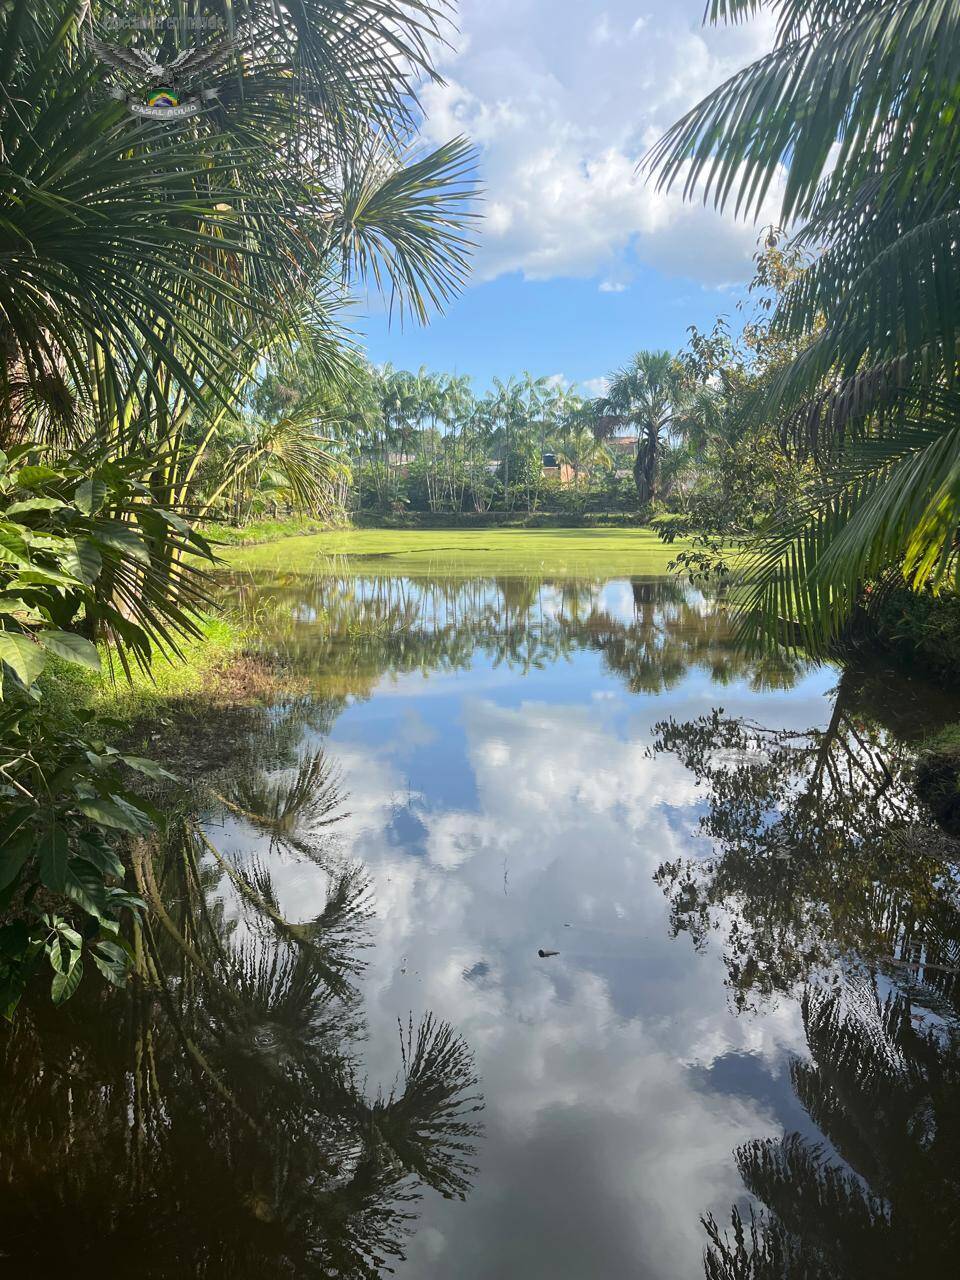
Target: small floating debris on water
546,954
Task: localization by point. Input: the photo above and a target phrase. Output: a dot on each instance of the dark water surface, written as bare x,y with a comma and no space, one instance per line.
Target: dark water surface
344,1051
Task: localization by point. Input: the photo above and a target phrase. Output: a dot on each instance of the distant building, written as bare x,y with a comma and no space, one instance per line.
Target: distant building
555,468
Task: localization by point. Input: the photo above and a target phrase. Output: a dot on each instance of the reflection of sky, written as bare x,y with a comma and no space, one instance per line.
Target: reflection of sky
499,814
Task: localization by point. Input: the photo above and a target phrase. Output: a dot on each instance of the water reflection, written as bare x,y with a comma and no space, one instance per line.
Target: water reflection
877,1196
826,873
819,851
349,631
220,1123
462,776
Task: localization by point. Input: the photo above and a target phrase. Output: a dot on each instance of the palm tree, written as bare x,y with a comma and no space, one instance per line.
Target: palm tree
648,394
855,105
145,272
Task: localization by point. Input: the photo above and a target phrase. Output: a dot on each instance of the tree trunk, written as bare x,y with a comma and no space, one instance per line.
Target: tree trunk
645,469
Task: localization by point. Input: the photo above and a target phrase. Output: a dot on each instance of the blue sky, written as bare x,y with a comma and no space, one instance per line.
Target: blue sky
562,326
580,261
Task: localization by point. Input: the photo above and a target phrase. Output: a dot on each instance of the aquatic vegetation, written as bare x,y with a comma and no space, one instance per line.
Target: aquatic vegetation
445,552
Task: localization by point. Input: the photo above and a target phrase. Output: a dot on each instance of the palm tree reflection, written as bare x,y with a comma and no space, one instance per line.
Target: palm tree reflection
219,1124
879,1196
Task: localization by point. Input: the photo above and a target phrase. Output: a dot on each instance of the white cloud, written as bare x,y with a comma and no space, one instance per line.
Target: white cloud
602,32
564,97
594,1063
611,286
596,386
589,1060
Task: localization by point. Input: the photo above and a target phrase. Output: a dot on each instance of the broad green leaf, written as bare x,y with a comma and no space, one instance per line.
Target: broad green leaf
122,537
54,848
55,955
13,549
73,648
150,768
113,951
86,562
37,577
65,984
71,935
21,655
35,504
31,477
101,856
13,854
89,496
116,813
48,542
120,898
14,605
85,888
111,960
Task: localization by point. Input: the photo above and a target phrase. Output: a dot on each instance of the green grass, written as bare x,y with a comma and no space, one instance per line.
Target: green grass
66,686
457,551
258,531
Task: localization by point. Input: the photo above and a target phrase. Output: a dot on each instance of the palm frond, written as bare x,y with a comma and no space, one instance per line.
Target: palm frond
402,222
842,85
894,499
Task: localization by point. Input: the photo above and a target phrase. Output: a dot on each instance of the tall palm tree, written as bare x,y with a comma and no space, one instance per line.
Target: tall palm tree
855,106
648,394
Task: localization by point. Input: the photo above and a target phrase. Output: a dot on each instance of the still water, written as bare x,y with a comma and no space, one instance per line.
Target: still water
534,933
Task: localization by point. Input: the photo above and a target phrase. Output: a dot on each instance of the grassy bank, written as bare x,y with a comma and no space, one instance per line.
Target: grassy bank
500,520
423,552
111,694
258,531
194,709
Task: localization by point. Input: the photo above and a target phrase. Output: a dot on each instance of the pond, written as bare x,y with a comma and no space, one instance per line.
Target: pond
533,932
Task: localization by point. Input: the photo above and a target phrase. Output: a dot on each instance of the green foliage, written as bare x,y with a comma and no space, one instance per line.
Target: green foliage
649,395
146,273
918,626
78,540
67,804
422,442
79,544
857,106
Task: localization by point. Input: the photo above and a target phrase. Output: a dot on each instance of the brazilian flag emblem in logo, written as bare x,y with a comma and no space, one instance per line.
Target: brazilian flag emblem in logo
163,96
